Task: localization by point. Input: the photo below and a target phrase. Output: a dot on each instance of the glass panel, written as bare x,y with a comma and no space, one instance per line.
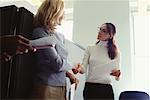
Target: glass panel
141,34
141,68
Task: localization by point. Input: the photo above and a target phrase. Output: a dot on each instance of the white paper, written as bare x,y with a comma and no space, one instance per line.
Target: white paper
72,91
104,71
44,42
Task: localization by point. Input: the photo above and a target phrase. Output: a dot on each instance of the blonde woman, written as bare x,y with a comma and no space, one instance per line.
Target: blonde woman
51,63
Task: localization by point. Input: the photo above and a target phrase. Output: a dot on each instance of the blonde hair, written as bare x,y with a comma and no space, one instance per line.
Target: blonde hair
49,13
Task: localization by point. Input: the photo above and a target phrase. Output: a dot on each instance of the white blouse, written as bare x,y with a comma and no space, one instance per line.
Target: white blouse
99,64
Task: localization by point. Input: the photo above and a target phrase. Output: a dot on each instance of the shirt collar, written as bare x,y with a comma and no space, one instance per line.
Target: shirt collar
103,43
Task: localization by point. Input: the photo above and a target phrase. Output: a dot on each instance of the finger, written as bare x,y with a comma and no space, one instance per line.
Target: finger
26,50
74,71
76,83
112,73
21,50
34,49
26,43
6,59
25,46
79,64
6,56
23,39
75,66
117,74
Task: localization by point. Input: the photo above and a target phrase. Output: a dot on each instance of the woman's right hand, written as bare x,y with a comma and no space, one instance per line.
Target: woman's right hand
78,69
116,73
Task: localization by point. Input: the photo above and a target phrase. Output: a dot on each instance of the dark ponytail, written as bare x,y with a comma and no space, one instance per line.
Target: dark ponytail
111,47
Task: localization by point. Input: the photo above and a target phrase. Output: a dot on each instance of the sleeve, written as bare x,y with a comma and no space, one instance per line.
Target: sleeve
86,57
38,33
50,58
62,52
117,63
64,55
119,60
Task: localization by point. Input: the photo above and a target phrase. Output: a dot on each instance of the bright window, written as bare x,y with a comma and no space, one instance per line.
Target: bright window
67,25
141,56
141,45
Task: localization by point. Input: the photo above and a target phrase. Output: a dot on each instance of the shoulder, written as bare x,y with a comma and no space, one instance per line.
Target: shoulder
38,29
59,36
90,47
39,32
118,54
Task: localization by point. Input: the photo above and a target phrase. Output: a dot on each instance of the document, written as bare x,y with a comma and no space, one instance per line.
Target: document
72,91
106,69
44,42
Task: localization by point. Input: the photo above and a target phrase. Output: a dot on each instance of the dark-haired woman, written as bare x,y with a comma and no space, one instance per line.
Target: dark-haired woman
104,61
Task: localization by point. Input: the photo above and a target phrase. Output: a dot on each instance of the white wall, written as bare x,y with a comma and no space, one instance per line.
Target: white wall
89,14
23,3
76,56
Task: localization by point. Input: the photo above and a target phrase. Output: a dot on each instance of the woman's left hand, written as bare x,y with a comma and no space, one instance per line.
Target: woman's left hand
73,79
115,72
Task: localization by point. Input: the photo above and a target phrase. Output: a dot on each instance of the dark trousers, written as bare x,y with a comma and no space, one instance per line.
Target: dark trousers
96,91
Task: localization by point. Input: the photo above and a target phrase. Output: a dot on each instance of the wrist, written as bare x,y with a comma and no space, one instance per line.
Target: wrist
68,74
81,70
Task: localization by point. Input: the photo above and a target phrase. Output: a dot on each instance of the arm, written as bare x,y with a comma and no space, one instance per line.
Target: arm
117,72
80,68
62,52
51,56
14,44
72,78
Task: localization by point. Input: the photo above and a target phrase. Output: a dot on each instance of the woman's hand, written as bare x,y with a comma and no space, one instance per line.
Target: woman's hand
78,69
116,73
14,44
73,79
4,57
